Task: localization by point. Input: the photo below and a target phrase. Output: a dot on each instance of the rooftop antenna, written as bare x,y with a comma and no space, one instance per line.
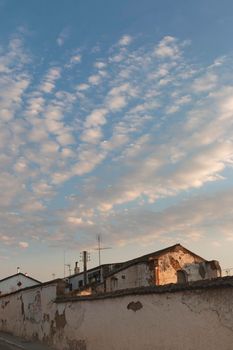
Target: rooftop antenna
64,262
69,268
100,247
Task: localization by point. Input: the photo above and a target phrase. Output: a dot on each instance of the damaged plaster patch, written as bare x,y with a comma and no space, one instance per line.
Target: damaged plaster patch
46,318
22,307
60,320
135,306
4,304
175,263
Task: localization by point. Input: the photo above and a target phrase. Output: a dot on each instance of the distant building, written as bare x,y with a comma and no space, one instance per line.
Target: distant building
174,264
94,276
15,282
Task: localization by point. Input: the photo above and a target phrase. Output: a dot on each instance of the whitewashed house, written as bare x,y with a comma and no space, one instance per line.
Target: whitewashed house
15,282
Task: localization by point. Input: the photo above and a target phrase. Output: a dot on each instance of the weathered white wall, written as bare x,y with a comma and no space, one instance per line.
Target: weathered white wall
134,276
25,313
11,284
164,272
183,320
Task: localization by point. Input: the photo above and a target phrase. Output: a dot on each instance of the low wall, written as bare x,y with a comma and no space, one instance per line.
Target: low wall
199,316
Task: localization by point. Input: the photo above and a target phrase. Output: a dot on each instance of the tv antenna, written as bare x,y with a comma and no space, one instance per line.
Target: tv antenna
100,248
69,268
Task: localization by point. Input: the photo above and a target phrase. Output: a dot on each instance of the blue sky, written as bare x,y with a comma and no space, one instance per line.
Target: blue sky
116,118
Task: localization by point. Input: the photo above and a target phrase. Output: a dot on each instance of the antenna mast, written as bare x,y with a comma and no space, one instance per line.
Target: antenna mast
99,248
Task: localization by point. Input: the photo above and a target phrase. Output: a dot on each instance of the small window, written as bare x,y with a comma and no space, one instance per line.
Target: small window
114,283
80,283
123,277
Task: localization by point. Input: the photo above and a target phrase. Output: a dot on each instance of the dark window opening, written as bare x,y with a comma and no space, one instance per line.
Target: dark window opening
80,283
181,276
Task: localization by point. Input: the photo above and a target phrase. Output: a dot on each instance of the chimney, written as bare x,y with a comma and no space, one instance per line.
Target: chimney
76,269
18,269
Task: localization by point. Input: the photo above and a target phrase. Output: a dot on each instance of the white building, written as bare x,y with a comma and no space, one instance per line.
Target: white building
175,264
93,276
15,282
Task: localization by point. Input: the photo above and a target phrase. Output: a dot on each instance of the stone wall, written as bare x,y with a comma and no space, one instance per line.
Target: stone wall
173,317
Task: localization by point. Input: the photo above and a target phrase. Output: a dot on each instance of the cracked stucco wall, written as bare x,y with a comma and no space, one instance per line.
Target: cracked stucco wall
197,319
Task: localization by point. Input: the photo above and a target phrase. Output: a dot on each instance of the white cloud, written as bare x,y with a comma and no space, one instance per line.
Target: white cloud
100,65
117,102
49,147
82,87
119,139
94,79
23,245
205,83
97,117
65,139
75,220
92,135
125,40
76,59
167,48
49,81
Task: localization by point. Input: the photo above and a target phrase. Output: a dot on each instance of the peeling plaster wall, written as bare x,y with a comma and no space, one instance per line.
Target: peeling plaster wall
203,270
182,320
29,313
170,263
162,271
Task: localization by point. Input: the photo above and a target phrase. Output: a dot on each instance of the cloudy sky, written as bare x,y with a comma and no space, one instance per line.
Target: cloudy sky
116,118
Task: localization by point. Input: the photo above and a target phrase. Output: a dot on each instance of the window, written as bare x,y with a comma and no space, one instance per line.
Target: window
80,283
114,283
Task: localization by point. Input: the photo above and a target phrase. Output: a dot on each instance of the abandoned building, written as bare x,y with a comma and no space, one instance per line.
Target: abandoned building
174,264
15,282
